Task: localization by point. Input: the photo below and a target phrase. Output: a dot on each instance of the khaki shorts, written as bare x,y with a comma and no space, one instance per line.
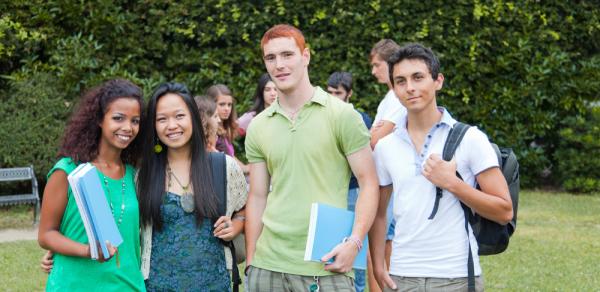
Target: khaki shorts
417,284
260,280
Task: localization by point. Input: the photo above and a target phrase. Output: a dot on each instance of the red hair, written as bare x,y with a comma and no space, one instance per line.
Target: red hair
284,31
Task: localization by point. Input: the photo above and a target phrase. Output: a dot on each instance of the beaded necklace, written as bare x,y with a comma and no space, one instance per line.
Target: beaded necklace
112,209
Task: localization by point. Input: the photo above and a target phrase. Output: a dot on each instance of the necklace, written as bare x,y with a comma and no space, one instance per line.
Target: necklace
187,198
291,113
112,209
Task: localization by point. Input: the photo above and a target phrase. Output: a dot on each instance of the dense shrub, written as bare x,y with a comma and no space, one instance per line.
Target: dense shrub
578,157
515,69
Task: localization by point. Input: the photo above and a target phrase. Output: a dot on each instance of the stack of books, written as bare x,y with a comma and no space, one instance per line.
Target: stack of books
92,202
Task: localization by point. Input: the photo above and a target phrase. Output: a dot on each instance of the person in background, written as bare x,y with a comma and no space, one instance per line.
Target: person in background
339,85
265,95
210,121
389,109
228,124
102,131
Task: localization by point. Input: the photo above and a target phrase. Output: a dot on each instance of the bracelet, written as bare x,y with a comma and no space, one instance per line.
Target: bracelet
355,240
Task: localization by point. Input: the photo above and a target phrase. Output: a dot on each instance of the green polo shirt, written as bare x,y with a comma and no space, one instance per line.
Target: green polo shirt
306,160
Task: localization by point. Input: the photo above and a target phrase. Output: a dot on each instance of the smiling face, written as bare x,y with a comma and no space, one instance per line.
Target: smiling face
224,106
121,123
414,85
269,93
286,63
173,121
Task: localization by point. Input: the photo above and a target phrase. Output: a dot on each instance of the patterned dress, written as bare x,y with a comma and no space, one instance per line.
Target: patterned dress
185,257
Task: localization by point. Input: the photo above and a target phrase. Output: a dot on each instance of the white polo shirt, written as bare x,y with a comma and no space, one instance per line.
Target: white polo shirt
422,247
389,109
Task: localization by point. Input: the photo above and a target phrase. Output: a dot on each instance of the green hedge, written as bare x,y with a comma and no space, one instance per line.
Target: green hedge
516,69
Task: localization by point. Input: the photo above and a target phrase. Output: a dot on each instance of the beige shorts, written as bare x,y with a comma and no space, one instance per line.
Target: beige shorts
417,284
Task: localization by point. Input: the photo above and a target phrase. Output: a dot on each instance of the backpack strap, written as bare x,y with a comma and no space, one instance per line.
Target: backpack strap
218,169
456,134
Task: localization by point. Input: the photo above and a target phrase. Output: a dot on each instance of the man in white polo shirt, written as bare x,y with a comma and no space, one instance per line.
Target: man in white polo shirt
431,255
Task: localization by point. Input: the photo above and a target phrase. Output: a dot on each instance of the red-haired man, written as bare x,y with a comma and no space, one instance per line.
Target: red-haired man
305,145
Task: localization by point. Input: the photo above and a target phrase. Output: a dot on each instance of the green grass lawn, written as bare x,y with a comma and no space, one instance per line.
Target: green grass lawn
556,248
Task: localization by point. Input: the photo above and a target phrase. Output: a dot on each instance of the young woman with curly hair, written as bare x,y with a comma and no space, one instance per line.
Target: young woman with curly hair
101,131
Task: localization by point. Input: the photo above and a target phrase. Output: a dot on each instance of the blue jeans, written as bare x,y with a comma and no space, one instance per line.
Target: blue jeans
359,275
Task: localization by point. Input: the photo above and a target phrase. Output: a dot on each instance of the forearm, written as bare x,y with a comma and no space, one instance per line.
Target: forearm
54,241
494,207
253,225
366,208
377,242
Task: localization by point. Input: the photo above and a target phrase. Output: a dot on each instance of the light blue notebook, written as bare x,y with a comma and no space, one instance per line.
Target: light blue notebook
100,215
328,227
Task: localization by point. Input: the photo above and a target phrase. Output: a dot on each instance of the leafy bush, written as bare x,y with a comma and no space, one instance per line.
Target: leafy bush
515,69
578,158
35,113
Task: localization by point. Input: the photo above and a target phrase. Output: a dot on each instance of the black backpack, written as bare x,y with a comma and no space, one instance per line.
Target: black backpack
219,180
492,238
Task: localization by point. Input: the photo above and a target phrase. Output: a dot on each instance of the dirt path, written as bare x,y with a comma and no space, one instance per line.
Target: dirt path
7,235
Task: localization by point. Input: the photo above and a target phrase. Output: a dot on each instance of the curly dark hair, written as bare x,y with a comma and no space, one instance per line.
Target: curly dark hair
82,133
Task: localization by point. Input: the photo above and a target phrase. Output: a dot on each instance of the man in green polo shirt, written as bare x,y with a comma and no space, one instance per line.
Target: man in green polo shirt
305,146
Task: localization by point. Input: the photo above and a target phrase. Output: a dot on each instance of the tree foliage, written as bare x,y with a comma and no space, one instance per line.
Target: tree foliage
523,71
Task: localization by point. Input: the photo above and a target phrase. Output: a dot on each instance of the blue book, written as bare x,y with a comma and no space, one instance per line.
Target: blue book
103,222
328,227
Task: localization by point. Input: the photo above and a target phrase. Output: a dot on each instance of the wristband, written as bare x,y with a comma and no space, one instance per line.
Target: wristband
355,240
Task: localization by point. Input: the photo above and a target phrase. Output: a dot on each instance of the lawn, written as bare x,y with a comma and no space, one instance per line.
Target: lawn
555,248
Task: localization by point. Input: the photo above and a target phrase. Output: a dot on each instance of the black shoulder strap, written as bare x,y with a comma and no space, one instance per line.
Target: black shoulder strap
218,169
219,174
456,134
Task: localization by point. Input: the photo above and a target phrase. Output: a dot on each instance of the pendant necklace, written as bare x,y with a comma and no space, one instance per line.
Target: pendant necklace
187,198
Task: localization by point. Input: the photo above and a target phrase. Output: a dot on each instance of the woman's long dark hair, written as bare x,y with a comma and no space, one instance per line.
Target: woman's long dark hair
259,95
152,174
82,133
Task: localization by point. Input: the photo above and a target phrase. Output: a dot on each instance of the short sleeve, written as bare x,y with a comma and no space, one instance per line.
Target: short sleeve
384,177
352,132
237,189
396,116
480,153
65,164
245,119
252,145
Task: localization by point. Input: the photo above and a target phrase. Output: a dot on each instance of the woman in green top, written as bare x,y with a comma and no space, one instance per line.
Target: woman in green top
102,131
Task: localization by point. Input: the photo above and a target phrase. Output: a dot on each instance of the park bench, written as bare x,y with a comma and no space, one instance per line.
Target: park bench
21,174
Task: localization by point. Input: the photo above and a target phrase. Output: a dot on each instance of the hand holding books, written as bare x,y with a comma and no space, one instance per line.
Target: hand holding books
330,240
343,256
112,250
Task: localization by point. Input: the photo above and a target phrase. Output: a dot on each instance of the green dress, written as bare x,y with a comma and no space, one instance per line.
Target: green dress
84,274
